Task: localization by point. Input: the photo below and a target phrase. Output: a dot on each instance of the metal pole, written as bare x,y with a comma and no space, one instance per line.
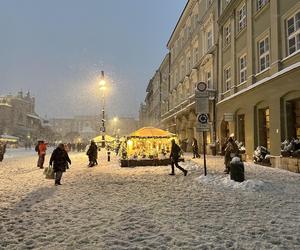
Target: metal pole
103,113
204,152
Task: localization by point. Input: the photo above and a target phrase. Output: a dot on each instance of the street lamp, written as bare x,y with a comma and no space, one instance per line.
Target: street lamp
102,85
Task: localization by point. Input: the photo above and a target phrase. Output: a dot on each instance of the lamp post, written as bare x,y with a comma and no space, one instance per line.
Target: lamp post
102,84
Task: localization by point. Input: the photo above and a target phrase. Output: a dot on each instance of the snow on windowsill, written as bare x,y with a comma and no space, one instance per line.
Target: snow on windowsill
266,79
290,56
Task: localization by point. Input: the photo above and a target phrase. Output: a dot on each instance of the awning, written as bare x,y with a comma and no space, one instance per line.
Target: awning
151,132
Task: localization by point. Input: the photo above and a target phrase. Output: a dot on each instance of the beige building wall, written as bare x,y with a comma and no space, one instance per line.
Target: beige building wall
264,89
193,58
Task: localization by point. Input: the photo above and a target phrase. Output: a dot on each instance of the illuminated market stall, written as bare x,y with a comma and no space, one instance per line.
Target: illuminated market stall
147,146
11,141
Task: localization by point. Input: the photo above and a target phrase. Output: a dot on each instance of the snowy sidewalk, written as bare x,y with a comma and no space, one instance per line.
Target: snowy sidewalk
108,207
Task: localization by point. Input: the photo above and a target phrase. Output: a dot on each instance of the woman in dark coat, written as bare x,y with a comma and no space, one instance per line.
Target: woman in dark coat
92,154
60,160
2,150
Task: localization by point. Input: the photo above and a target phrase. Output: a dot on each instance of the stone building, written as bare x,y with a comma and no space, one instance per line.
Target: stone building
248,53
259,69
18,116
193,58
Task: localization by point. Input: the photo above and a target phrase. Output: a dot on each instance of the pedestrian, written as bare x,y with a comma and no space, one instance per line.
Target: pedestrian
2,150
174,156
92,154
60,160
41,150
195,149
231,150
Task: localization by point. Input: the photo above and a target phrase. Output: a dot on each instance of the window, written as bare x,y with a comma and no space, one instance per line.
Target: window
209,2
227,34
209,38
208,79
293,33
243,68
260,4
264,54
227,78
242,14
188,64
196,55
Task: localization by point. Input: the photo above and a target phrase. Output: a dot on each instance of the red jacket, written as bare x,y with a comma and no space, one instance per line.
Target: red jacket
42,149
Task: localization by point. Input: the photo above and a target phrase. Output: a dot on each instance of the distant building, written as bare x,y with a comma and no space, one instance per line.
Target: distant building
18,116
78,127
88,127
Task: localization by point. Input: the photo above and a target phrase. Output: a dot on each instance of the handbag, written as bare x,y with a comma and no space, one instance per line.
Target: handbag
49,172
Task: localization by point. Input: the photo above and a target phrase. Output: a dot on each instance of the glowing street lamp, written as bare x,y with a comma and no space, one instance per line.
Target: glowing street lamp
102,85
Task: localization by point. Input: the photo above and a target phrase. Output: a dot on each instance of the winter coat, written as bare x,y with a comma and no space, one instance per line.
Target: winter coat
92,151
175,152
42,149
60,159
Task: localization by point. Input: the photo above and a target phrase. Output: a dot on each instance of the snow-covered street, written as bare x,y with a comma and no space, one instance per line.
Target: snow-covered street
108,207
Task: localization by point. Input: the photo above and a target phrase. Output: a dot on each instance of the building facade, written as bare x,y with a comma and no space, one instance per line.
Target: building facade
18,117
248,53
193,58
259,69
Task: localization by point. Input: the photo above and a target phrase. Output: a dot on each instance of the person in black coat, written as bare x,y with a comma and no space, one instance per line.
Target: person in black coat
92,154
2,150
60,160
174,156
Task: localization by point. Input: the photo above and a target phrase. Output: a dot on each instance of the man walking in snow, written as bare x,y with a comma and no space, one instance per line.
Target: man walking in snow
174,156
60,160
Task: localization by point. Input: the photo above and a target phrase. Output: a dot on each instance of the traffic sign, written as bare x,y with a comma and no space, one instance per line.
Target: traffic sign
203,123
201,90
201,86
202,118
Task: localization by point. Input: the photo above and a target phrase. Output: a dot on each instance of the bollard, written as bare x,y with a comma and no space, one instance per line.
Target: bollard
108,155
237,170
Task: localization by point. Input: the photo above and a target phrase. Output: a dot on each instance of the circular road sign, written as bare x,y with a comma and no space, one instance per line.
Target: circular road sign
203,118
201,86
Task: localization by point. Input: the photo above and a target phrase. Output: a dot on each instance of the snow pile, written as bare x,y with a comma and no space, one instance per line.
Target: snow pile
226,182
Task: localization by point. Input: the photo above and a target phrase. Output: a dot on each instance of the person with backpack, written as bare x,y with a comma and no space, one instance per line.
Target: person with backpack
60,160
174,156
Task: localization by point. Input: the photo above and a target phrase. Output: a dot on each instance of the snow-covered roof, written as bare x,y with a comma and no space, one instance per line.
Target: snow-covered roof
33,116
5,104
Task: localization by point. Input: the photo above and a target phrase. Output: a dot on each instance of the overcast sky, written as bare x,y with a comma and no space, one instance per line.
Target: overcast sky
57,49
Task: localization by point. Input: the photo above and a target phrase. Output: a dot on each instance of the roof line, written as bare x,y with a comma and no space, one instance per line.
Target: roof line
178,22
